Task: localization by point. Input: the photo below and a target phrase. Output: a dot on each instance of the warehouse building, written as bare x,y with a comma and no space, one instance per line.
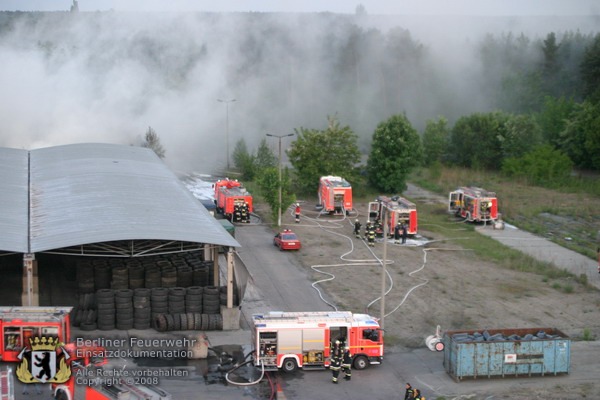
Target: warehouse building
97,201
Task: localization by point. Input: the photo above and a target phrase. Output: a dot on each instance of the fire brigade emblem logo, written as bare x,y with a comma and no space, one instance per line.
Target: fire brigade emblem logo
41,363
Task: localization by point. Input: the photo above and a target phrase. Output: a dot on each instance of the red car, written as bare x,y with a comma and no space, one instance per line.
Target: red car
287,240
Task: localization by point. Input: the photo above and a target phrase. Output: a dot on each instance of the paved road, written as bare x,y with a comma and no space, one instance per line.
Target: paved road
545,250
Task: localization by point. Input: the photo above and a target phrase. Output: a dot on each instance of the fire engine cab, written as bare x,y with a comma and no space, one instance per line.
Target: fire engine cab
233,200
291,340
473,204
335,195
18,324
399,211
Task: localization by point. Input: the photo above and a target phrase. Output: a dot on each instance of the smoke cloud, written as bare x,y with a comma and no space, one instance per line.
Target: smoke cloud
108,76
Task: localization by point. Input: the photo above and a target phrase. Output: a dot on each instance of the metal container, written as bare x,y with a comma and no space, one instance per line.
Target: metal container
506,352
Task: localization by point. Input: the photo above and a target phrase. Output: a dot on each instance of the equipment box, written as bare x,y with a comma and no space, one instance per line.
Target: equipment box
506,352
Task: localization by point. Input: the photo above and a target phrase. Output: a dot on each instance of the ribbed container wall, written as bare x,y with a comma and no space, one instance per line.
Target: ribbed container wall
506,352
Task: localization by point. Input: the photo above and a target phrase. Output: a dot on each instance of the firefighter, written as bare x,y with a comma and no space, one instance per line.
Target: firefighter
417,395
244,213
371,235
236,214
297,212
404,232
347,364
367,228
247,207
336,362
397,230
378,228
357,228
409,393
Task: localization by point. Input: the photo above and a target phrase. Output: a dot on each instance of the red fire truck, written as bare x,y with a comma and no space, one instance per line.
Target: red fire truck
291,340
18,324
473,204
335,195
398,210
233,200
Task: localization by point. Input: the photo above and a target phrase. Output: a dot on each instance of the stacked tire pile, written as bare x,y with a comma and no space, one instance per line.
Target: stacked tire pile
223,296
102,275
132,294
120,278
84,314
124,309
85,278
188,321
142,310
187,309
105,302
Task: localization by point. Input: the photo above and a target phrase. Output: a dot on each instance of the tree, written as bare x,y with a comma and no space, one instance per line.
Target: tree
581,137
474,140
435,141
265,158
553,117
314,153
152,141
590,70
243,160
395,152
268,183
519,135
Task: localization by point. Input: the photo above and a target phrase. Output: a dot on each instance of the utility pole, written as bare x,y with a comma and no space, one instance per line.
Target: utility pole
383,269
226,125
279,208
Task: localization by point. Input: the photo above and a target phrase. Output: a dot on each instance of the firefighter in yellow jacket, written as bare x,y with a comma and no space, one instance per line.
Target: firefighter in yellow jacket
336,361
347,364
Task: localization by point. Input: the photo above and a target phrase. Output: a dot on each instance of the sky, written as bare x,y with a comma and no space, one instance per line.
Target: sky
373,7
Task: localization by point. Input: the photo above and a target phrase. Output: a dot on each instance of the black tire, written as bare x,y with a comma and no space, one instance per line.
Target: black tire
190,321
84,326
204,325
198,321
170,322
289,365
161,323
61,395
184,321
360,362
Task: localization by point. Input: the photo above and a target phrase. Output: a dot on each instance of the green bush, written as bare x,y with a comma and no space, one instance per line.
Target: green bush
543,166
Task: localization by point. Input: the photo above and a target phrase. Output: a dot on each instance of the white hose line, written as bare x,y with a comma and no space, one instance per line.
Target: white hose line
262,374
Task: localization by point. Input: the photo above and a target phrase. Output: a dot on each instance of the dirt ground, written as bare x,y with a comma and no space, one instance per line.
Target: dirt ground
433,283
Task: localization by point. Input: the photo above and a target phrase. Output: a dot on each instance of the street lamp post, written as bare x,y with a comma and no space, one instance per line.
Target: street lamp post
226,125
279,208
383,270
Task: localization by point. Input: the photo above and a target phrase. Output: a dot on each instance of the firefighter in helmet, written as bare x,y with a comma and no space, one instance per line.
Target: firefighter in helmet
371,235
347,364
409,393
357,228
336,361
367,227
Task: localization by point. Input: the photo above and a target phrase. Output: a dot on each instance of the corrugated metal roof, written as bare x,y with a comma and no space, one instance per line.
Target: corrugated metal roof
90,193
13,200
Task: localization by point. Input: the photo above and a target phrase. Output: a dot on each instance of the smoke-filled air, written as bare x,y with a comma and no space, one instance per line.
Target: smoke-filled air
71,77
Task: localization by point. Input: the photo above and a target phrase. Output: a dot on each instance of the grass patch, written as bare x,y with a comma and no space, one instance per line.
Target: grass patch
566,215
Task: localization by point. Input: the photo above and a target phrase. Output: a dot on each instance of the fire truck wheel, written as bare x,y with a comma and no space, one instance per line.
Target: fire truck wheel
61,395
361,362
289,365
